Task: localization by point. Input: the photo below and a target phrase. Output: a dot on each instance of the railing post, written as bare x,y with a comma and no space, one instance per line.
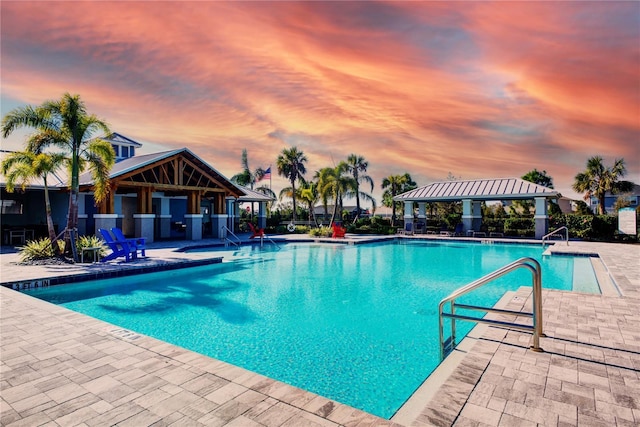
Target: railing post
453,323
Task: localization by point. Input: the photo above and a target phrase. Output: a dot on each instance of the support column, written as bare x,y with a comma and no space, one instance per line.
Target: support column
471,215
194,226
408,212
218,222
262,214
106,221
422,212
165,218
231,203
541,218
144,226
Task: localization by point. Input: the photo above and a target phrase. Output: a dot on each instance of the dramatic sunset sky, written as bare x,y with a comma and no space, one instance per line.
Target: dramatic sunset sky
475,89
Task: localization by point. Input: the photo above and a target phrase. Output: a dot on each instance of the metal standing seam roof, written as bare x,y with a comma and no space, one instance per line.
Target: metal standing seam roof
253,196
478,189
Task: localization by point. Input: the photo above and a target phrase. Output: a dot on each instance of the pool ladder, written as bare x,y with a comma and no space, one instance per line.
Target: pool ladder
557,233
226,238
446,346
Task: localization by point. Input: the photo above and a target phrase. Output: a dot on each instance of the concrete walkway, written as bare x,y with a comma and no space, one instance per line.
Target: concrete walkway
58,367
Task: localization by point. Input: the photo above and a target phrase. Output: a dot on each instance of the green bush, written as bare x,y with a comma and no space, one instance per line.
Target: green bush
91,242
588,227
517,226
321,232
38,249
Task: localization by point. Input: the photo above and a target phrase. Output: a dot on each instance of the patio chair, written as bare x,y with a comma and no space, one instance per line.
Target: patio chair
255,232
338,231
407,230
118,248
138,242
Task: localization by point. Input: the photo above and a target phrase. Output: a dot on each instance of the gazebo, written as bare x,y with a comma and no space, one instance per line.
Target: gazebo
473,192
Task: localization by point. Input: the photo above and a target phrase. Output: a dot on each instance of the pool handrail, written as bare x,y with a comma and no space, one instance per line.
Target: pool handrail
557,231
226,238
536,272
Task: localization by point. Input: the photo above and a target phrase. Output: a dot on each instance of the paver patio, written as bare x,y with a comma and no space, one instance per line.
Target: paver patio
58,367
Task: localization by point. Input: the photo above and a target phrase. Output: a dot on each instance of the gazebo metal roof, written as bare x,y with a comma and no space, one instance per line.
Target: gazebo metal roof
478,189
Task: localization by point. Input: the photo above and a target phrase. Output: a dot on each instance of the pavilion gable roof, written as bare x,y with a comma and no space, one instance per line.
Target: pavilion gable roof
174,170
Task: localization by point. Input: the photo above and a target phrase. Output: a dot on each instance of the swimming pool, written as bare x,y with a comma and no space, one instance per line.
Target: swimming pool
354,323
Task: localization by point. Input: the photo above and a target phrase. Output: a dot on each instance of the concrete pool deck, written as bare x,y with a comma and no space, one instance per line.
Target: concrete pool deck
58,367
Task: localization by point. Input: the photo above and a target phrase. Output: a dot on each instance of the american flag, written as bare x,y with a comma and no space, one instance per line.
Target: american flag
267,174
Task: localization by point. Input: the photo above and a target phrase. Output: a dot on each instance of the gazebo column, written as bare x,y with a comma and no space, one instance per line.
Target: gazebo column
193,217
408,212
231,213
422,212
542,219
144,219
471,214
165,218
219,215
262,214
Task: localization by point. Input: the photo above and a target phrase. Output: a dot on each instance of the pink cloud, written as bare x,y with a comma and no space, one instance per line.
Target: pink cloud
476,89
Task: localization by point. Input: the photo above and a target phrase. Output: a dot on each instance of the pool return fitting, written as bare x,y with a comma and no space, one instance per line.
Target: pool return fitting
530,264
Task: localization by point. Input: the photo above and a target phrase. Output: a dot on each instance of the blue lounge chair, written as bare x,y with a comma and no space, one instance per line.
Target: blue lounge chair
407,230
137,243
118,248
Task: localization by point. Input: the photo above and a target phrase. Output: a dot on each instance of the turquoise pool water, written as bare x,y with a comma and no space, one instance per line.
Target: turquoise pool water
357,324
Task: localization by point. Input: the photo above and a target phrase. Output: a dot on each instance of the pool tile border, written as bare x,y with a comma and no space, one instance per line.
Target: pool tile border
107,274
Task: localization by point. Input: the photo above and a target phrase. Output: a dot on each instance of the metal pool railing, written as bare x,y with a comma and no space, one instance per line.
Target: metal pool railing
536,273
557,232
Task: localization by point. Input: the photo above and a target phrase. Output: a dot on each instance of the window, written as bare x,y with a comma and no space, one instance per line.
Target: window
125,151
132,151
115,149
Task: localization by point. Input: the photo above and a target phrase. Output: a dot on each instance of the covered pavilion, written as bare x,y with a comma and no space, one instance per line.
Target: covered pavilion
473,192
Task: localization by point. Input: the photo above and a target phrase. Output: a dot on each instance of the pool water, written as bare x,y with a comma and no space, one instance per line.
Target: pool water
354,323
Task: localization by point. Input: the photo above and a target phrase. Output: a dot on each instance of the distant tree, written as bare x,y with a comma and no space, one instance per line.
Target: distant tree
23,167
540,178
622,202
597,179
65,124
393,186
249,178
291,165
357,166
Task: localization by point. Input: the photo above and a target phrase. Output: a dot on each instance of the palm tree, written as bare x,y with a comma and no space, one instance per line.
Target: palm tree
67,125
247,177
394,185
23,167
336,183
357,166
598,179
309,193
290,165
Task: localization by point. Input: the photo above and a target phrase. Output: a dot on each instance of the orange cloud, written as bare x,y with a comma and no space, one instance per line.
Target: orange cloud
476,89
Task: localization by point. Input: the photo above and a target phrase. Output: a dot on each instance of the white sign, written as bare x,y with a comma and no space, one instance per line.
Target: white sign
627,221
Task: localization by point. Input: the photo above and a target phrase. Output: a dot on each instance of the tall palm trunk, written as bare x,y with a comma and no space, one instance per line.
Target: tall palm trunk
293,196
50,227
72,218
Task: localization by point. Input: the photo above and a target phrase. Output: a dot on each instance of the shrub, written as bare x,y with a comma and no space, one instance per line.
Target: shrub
517,226
38,249
321,232
91,242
